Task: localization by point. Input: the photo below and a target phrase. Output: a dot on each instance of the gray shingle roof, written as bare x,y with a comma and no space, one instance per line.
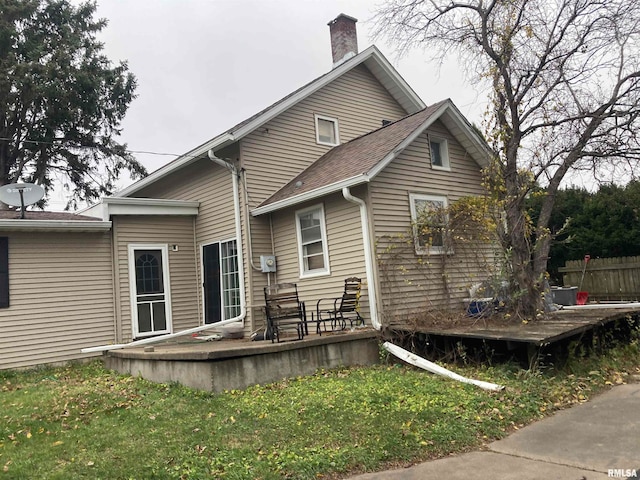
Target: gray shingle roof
39,215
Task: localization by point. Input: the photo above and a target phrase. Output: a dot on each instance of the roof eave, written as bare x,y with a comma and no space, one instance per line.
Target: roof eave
26,225
371,57
182,161
482,152
310,195
109,206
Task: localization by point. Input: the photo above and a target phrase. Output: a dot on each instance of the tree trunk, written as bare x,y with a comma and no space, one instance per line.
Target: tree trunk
527,286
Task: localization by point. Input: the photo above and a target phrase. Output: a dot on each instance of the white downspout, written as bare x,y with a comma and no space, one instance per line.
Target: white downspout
211,326
368,256
239,245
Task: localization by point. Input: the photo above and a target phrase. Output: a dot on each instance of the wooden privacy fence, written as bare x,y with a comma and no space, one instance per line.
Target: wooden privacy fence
605,278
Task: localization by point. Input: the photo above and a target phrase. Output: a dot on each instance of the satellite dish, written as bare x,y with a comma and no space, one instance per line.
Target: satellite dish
21,194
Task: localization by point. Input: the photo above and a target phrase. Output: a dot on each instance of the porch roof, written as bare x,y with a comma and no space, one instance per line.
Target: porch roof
50,221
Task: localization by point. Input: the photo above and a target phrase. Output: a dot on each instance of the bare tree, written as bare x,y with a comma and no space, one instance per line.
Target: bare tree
564,77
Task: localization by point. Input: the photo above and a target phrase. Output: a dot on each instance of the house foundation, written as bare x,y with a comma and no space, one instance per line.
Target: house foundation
229,364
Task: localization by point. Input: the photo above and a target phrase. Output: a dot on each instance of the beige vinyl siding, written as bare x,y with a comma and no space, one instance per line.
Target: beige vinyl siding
61,297
412,284
211,185
207,183
346,252
186,302
283,147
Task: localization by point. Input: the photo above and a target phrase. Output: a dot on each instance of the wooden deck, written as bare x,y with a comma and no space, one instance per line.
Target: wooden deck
557,326
526,342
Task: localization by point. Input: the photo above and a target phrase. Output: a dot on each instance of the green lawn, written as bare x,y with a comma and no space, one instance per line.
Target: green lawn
82,421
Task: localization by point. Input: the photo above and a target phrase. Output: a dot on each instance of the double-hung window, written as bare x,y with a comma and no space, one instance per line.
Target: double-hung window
429,219
439,153
312,241
327,131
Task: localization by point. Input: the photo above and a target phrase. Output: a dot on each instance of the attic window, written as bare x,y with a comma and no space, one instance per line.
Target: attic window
439,153
327,131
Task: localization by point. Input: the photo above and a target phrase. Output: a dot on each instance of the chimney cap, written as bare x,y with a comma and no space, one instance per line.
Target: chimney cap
342,15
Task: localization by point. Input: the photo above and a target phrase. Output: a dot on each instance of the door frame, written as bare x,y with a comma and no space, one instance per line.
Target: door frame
164,248
202,278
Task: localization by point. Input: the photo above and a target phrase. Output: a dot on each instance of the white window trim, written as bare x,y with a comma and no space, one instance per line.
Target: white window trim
325,247
337,129
444,153
166,281
420,250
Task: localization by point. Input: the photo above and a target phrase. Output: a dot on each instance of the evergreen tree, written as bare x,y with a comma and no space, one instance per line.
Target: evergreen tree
62,100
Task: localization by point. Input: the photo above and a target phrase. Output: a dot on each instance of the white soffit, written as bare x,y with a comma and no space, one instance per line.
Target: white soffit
140,206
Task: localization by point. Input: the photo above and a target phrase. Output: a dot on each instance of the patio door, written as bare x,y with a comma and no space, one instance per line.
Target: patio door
150,295
211,284
221,281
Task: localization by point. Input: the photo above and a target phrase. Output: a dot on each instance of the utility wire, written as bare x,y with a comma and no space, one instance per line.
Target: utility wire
145,152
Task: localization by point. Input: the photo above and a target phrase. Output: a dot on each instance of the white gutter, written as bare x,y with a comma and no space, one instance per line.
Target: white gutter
55,225
425,364
368,256
161,338
311,194
211,326
595,306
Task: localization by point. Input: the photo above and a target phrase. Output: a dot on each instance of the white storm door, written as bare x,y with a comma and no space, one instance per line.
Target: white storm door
150,293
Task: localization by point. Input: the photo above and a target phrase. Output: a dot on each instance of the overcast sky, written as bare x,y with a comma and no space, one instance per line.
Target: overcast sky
203,66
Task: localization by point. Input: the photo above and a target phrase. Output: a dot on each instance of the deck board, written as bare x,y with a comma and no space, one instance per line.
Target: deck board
557,326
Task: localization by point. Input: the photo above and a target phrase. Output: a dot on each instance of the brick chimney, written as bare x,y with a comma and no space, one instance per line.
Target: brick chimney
344,40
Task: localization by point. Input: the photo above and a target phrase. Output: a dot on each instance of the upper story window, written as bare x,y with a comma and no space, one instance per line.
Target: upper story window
327,131
312,241
439,153
429,219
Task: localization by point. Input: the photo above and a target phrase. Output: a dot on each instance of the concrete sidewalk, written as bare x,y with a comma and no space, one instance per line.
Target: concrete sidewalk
596,440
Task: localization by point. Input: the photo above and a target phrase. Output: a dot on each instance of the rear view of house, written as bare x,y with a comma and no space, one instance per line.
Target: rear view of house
311,190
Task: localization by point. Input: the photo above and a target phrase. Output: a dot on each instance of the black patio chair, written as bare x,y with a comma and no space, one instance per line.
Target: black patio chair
346,307
284,310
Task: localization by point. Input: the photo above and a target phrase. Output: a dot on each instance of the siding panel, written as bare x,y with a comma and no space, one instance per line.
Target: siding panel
281,149
185,290
61,293
413,284
346,253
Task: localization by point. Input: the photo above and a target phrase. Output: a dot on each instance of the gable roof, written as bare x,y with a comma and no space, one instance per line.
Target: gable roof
374,60
361,159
